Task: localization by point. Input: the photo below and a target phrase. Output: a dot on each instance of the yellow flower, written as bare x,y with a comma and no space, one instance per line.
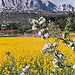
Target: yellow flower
59,69
26,51
13,68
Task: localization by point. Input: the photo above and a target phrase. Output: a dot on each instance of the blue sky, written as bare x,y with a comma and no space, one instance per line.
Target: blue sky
72,2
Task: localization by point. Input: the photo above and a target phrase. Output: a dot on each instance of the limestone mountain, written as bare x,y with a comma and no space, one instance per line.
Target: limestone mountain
34,5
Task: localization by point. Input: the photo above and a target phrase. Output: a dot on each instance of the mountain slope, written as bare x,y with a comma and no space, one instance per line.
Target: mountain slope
28,5
34,5
65,7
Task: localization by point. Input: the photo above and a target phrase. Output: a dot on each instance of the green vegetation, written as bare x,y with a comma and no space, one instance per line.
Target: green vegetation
61,20
18,22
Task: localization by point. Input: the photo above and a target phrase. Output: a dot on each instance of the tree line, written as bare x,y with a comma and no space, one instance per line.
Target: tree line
60,20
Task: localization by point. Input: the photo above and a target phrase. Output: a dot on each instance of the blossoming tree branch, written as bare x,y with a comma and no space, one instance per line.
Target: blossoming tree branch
47,30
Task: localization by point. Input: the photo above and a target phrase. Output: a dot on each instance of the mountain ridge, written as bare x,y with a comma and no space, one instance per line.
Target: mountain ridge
34,5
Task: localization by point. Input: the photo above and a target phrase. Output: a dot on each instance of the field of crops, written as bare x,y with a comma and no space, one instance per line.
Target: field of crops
72,34
26,51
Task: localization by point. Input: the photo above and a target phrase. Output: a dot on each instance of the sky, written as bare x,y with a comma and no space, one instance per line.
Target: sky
72,2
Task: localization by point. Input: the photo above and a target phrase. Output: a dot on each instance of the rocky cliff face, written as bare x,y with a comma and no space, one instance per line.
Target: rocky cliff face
34,5
28,5
65,7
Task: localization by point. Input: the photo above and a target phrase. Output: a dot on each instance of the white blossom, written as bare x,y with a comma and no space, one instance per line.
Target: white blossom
52,49
46,35
74,66
55,61
42,19
27,67
36,21
47,45
71,44
2,25
47,29
56,66
72,48
42,37
33,20
41,22
63,35
22,73
39,33
30,20
53,70
68,46
65,44
44,48
73,40
44,51
24,69
55,44
42,30
60,55
53,55
34,28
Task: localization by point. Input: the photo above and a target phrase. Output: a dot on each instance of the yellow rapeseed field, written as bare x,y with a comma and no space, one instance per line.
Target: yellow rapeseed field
72,33
27,52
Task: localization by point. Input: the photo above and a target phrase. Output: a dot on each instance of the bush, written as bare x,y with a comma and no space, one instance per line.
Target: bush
15,32
29,32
